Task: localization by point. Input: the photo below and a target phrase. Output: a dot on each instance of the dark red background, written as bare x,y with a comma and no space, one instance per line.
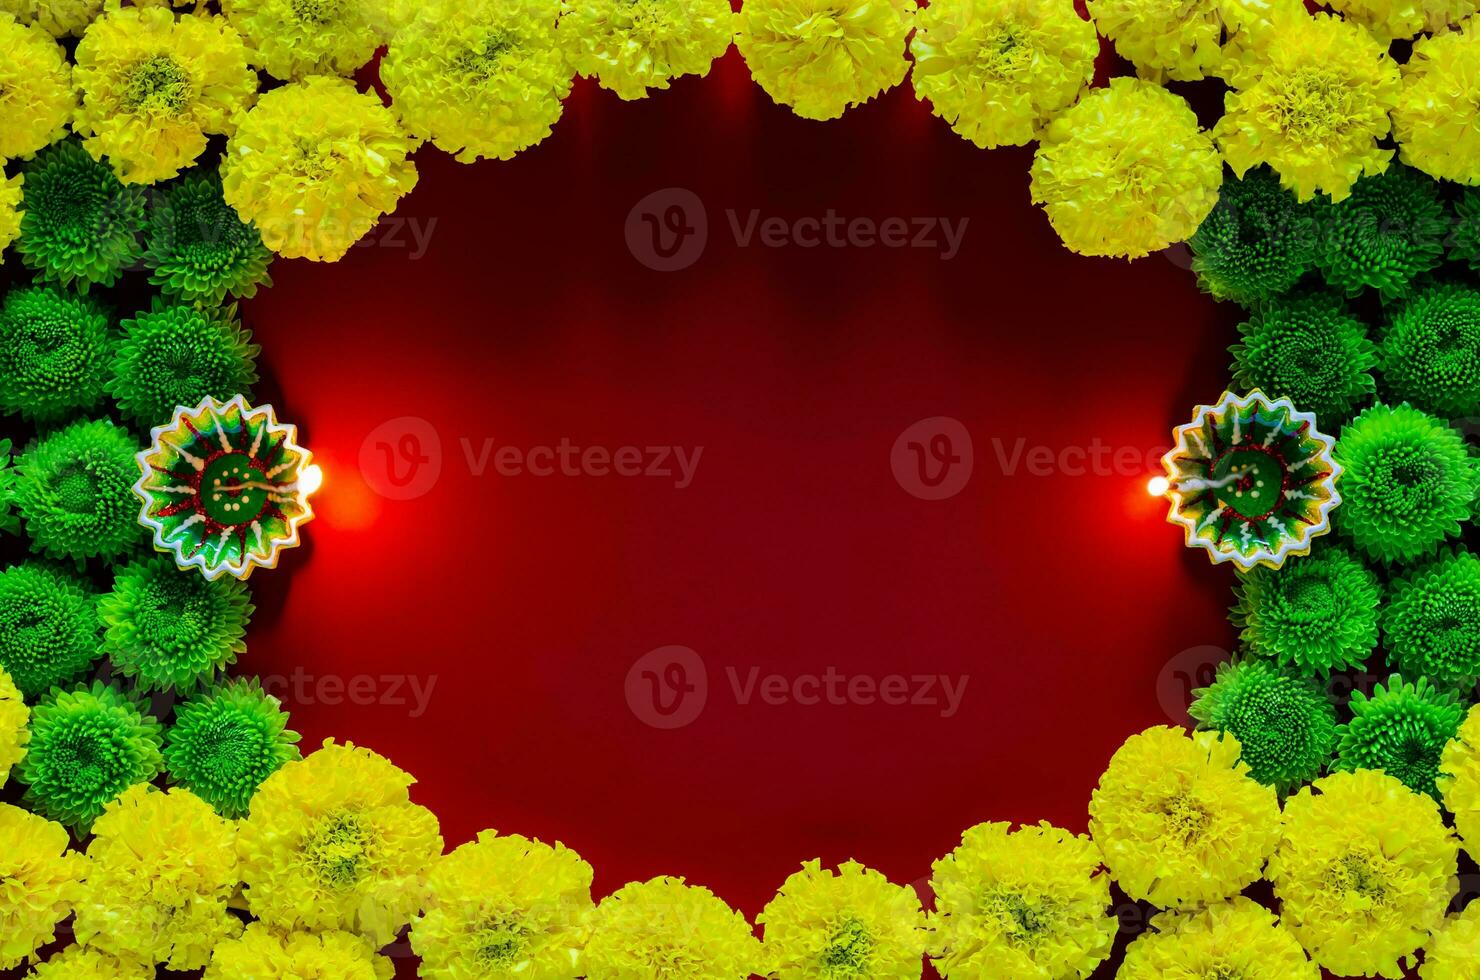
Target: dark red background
1067,600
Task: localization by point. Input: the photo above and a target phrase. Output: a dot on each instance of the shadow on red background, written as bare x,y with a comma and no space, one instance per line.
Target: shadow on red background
502,307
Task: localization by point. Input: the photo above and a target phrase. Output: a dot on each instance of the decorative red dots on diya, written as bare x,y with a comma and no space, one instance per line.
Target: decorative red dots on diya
225,487
1251,480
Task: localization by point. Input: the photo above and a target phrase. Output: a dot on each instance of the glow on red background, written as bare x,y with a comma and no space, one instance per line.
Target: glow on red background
523,600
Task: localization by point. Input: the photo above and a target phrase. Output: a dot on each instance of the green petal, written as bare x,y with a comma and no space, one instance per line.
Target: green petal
1389,231
1310,350
180,355
1407,485
1286,724
170,628
48,627
225,742
1431,351
1256,243
80,223
87,746
1315,614
1402,730
76,492
54,351
199,249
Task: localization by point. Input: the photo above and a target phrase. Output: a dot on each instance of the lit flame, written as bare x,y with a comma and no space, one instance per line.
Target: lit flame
310,480
1158,486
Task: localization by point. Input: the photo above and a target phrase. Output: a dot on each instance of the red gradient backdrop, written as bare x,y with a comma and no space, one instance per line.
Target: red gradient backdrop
524,600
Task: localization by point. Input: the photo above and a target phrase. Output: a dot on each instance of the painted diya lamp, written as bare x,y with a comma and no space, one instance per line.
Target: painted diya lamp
225,487
1251,480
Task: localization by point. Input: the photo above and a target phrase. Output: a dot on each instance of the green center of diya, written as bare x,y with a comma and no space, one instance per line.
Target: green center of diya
1255,482
232,491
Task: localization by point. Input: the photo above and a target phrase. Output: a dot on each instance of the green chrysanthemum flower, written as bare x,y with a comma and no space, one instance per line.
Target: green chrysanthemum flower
1431,351
1464,239
226,741
199,248
80,223
48,628
87,746
1310,350
1432,619
1317,613
54,350
1285,724
168,628
9,522
179,355
1407,482
1391,229
1402,730
1257,242
76,494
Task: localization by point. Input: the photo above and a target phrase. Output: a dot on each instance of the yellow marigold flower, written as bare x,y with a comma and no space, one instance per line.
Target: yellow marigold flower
1437,119
36,94
482,79
153,86
1240,939
10,211
634,46
1454,951
1126,171
1179,40
1459,780
85,963
334,842
1027,903
59,18
1179,819
504,907
1401,19
260,953
1310,99
996,70
38,883
14,715
664,929
818,56
1364,871
293,39
853,922
161,868
391,17
315,165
